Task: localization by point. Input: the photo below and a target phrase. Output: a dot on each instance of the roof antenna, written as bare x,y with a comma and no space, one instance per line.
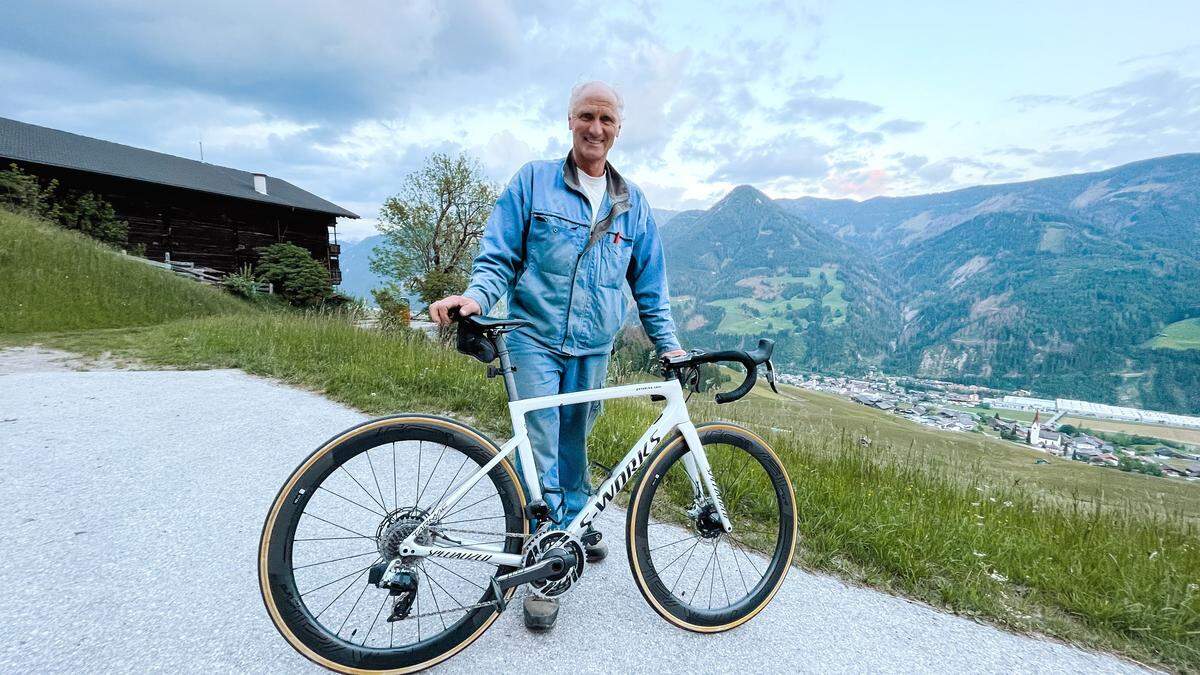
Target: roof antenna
201,151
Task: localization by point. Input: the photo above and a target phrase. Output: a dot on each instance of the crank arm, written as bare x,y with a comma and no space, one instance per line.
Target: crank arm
553,566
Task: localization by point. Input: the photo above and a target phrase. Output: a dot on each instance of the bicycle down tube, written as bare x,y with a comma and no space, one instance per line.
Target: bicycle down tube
674,416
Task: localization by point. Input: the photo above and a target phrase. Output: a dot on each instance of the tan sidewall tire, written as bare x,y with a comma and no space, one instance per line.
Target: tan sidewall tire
350,435
635,503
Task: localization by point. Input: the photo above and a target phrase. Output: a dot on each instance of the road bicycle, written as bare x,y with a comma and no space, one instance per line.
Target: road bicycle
366,570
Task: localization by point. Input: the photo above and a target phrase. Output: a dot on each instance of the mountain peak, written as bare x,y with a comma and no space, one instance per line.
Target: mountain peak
746,196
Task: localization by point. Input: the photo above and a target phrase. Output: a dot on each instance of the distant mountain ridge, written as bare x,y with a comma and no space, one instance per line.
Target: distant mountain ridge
1059,284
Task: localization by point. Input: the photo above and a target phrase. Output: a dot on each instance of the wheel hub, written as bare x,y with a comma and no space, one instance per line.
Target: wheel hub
708,522
397,527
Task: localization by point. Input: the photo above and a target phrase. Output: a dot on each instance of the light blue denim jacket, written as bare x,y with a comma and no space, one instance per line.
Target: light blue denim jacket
565,277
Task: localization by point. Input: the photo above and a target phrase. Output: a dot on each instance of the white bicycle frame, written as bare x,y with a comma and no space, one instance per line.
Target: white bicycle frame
674,416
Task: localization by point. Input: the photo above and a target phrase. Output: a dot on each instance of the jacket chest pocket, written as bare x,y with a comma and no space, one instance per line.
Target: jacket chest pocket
553,244
615,251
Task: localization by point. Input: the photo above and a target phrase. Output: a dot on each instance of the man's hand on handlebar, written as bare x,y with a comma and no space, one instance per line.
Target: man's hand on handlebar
439,312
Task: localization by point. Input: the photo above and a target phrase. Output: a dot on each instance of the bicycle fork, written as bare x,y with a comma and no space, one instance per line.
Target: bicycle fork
695,463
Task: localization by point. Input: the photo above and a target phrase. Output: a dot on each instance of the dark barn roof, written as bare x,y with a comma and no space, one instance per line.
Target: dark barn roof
41,145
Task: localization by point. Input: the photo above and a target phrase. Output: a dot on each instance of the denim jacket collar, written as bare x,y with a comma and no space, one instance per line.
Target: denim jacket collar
618,191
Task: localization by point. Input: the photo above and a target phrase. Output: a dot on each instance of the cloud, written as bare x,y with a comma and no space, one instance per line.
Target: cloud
899,126
808,106
789,156
1155,112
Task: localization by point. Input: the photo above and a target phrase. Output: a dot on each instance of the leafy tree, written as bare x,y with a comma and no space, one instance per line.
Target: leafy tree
22,192
92,215
431,228
297,277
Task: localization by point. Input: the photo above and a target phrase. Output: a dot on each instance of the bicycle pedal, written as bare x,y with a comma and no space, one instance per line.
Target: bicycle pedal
591,537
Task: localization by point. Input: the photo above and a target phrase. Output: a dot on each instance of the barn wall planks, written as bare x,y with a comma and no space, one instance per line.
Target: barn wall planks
206,229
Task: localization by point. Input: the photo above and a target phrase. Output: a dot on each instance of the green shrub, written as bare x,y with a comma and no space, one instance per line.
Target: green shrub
90,214
298,278
394,311
243,282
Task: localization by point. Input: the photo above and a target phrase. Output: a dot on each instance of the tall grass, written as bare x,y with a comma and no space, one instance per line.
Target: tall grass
54,280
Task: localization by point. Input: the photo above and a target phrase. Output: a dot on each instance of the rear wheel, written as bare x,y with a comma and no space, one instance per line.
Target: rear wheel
347,507
692,572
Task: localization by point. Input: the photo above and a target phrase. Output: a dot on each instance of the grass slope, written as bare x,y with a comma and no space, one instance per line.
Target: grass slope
1179,335
59,280
1096,557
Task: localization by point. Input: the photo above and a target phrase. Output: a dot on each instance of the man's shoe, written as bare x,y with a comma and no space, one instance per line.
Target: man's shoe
593,545
540,613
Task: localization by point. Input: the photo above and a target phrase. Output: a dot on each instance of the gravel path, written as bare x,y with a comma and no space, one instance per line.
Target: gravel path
131,504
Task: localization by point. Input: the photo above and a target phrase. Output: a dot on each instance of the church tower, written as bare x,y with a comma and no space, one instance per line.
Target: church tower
1035,431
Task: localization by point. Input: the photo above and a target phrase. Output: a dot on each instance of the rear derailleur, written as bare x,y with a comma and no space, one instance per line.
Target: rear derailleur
400,580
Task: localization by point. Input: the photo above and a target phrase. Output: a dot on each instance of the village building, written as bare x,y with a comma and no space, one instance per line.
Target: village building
180,209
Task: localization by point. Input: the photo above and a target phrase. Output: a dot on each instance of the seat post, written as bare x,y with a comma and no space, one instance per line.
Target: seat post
506,368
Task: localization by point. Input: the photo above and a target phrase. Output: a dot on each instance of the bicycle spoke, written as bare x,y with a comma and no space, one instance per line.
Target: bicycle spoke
431,475
375,620
451,482
352,608
685,564
359,536
460,510
429,560
323,562
371,464
360,485
395,487
739,568
436,606
723,586
706,564
420,452
358,572
747,555
310,515
366,508
694,536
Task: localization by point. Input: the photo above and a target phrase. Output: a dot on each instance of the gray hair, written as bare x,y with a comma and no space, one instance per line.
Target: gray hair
579,90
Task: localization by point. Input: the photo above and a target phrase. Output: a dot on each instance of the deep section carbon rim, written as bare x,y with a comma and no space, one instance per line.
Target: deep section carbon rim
350,509
689,568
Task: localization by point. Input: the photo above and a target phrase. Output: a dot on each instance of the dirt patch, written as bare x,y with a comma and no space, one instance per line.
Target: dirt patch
38,359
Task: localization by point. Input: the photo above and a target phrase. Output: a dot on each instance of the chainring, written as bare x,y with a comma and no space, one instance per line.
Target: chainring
537,548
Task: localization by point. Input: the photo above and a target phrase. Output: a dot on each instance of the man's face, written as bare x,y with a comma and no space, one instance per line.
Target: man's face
595,124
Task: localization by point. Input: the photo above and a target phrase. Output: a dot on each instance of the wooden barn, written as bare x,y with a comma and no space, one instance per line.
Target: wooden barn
180,209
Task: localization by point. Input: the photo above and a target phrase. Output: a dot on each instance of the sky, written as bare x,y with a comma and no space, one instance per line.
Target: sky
853,99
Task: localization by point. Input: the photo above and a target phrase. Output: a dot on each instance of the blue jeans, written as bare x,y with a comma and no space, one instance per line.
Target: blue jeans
559,435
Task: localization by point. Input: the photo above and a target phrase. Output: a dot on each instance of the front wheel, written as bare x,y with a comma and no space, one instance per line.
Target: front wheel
692,572
346,509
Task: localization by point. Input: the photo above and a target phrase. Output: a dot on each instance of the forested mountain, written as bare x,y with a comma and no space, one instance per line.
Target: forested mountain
746,268
1059,285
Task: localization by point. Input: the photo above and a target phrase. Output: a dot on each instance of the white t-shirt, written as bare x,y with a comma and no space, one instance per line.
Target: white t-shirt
594,189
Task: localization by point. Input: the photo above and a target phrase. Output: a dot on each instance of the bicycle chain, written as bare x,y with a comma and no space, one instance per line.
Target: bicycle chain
478,605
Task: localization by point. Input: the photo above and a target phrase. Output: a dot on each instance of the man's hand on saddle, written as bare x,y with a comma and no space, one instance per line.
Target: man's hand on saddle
439,312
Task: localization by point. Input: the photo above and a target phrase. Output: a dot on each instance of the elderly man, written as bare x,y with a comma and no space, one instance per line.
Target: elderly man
564,238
